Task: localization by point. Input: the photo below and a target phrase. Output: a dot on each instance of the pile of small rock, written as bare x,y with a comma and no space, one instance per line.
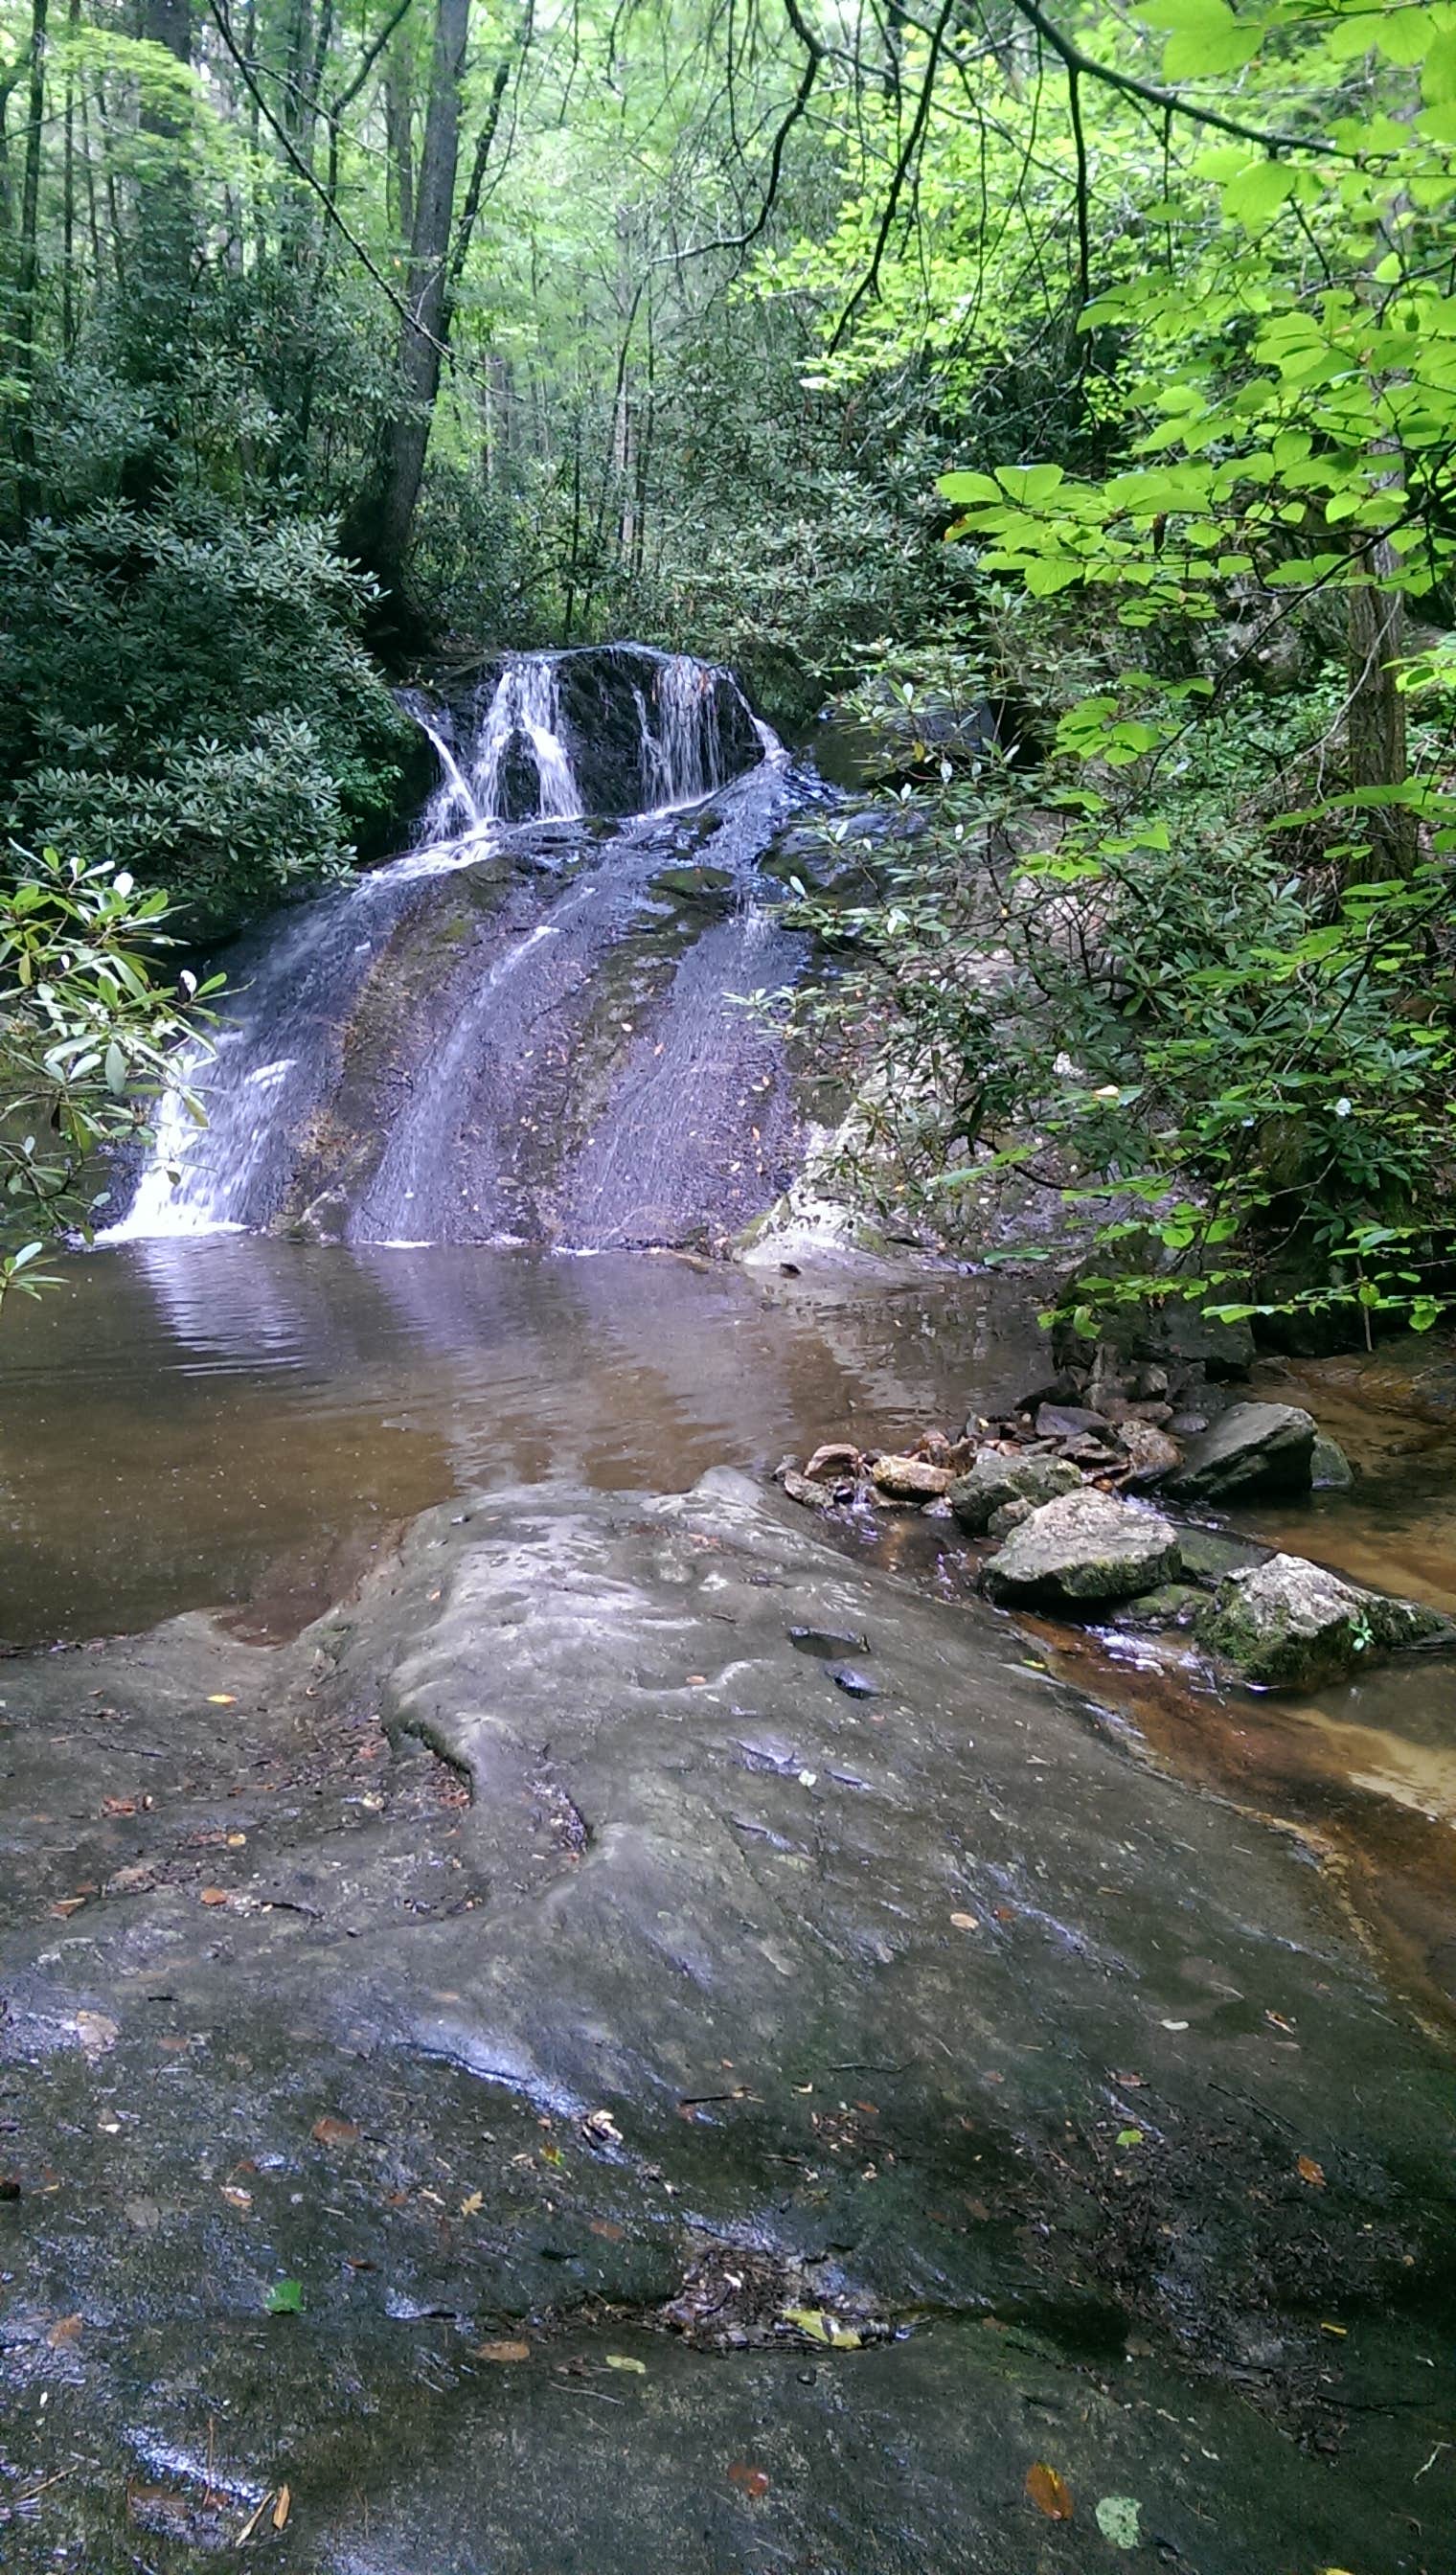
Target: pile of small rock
1061,1483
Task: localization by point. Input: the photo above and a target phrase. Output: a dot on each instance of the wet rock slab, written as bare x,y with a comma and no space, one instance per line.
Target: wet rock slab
549,1933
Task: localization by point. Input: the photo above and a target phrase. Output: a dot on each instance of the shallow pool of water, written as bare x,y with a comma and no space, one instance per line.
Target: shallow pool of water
239,1423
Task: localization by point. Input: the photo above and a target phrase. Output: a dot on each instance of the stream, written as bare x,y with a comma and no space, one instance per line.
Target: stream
556,2018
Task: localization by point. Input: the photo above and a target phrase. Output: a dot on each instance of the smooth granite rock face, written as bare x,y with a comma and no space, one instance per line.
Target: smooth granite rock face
1252,1448
1083,1549
1290,1624
688,2097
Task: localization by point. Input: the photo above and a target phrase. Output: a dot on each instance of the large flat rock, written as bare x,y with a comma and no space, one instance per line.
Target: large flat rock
933,2011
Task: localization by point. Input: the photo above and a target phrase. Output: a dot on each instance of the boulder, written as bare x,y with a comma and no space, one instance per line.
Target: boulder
1290,1624
1070,1422
1209,1557
910,1479
1251,1448
1083,1549
1000,1476
1331,1471
1152,1454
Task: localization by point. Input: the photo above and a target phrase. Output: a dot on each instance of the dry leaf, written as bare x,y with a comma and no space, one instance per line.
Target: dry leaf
333,2132
235,2197
215,1895
619,2360
752,2480
1049,2493
1308,2170
965,1921
254,2517
95,2031
68,1904
282,2507
118,1805
221,1698
502,2350
65,2329
472,2206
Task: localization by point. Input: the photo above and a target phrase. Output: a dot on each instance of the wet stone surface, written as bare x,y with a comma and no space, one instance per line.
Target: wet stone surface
844,2103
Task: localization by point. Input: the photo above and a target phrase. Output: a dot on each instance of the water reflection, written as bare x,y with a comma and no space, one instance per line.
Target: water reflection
229,1420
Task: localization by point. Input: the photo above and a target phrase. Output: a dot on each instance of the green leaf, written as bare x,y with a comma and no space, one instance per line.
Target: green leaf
284,2298
1209,39
1118,2518
1258,192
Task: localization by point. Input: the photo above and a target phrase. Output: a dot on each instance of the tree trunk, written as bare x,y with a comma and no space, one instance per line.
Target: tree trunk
27,268
378,533
1375,724
159,280
399,123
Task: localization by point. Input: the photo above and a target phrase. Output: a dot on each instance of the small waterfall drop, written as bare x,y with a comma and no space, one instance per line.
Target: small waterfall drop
522,728
411,1059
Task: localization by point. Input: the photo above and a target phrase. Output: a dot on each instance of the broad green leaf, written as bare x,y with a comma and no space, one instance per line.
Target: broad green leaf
1257,191
1118,2520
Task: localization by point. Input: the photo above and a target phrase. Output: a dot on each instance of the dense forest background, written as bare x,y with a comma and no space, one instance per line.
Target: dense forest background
1094,367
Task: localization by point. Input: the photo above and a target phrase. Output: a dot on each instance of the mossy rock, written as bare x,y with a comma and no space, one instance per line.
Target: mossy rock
1289,1624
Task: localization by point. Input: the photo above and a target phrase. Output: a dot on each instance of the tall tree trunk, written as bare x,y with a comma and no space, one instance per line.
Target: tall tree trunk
68,195
159,281
1375,722
27,268
398,126
378,533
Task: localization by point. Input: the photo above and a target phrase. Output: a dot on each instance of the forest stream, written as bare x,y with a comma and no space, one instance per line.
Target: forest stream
557,2015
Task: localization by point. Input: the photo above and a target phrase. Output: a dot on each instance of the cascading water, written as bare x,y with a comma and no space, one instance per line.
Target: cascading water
451,1049
523,717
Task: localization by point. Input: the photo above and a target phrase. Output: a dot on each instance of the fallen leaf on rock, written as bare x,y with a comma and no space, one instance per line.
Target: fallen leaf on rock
68,1904
333,2132
1308,2170
65,2329
95,2031
221,1698
254,2517
281,2508
118,1805
1129,2136
620,2360
235,2197
965,1921
472,2206
284,2298
1117,2519
822,2325
503,2351
236,1840
752,2480
215,1895
1049,2491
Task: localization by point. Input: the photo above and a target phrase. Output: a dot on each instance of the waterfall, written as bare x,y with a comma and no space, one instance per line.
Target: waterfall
500,1109
683,752
453,807
524,716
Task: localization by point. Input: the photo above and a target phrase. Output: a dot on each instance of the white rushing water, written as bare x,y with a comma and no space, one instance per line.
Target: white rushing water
275,1062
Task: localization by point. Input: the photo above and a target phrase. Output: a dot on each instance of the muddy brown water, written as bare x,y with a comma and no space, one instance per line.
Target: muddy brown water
229,1420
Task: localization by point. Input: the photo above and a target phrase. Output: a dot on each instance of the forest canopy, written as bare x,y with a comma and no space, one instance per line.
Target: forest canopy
1092,367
